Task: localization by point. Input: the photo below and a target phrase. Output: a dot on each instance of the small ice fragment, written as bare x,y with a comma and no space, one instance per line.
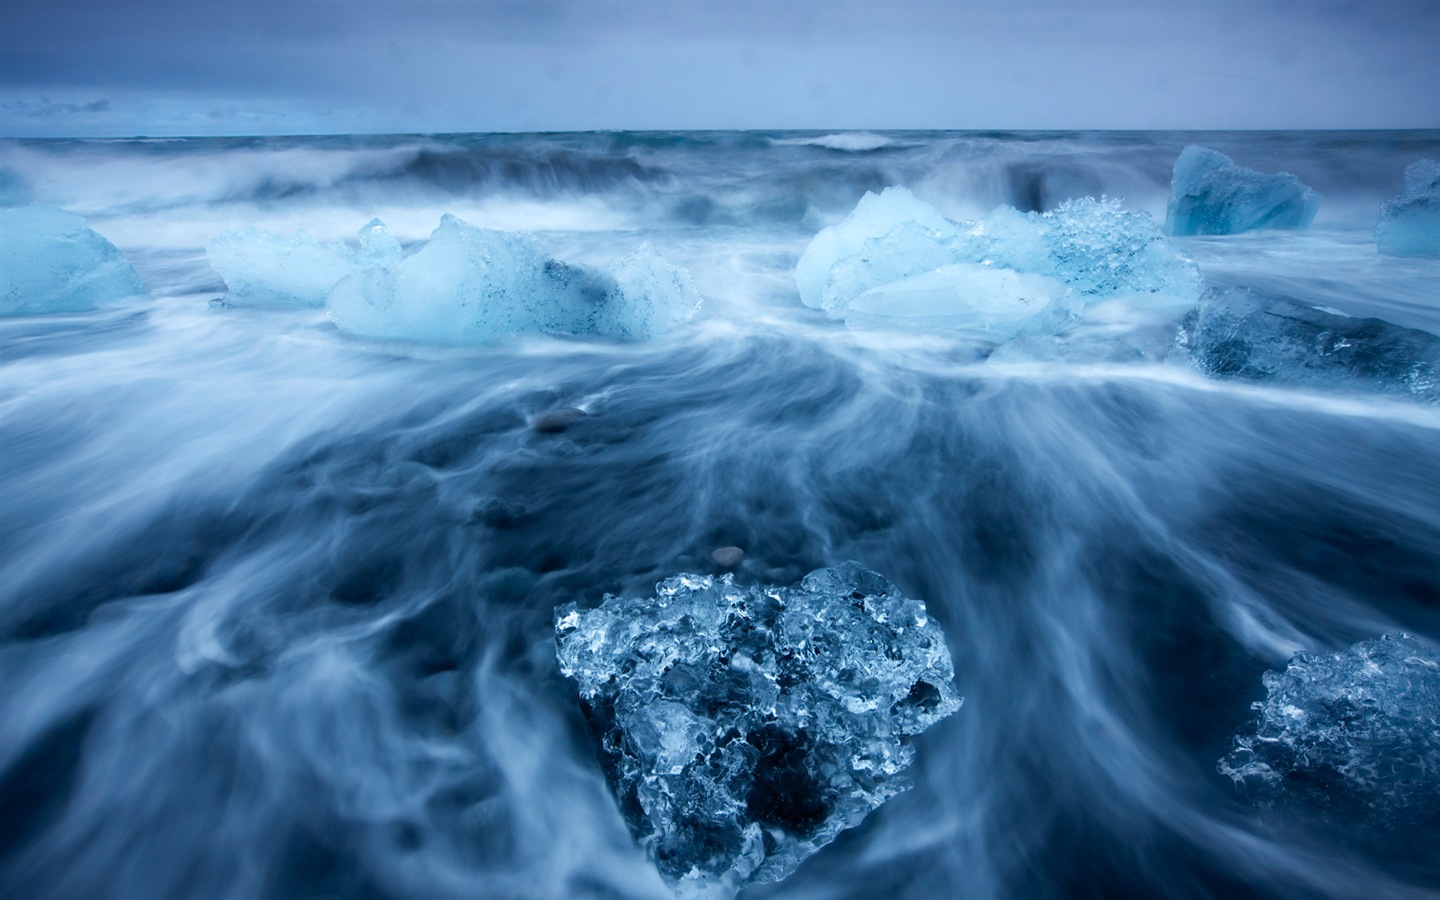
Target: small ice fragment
1350,739
1410,223
1210,194
52,262
742,728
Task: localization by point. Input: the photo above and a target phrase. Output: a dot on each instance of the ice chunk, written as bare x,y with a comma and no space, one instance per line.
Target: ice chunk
472,285
1352,737
1410,223
968,297
1209,194
267,268
52,262
1239,334
893,246
875,216
742,728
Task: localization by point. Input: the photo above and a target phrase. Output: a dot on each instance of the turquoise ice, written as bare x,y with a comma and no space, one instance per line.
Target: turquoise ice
1210,194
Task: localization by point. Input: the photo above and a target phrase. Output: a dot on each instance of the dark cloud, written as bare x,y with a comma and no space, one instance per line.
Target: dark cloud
429,66
47,109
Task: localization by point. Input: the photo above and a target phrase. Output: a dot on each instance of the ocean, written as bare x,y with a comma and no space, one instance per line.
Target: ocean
277,602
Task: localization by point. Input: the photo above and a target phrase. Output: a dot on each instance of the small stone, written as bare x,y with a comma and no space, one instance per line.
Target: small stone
556,420
727,557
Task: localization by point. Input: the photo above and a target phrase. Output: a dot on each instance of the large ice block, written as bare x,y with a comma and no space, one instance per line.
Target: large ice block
1410,223
894,247
1239,334
742,728
1210,194
472,285
52,262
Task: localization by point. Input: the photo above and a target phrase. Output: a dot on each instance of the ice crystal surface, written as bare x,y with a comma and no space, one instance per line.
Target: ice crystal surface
1239,334
1353,737
742,728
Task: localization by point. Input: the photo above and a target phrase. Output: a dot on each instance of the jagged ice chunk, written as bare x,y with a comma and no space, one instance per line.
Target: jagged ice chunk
896,247
1410,223
1210,194
1351,737
52,262
472,285
1239,334
742,728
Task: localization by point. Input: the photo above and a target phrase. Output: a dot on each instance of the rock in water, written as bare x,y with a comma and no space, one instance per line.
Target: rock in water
52,262
1350,739
1239,334
1209,194
1410,223
742,728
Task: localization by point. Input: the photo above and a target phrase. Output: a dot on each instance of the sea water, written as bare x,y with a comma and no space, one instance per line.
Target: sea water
277,600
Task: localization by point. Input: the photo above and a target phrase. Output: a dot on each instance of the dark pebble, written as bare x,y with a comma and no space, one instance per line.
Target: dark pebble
556,420
727,556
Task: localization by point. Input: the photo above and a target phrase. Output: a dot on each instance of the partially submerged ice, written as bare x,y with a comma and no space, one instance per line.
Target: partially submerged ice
1410,223
1352,738
472,285
1210,194
268,268
52,262
742,728
1239,334
1011,273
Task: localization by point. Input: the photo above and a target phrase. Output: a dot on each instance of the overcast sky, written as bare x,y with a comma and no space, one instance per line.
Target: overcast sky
194,67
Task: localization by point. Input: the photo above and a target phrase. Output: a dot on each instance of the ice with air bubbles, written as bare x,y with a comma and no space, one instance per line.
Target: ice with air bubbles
896,258
742,728
51,261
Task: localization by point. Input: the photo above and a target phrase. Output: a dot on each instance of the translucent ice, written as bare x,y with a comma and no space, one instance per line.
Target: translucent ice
1209,194
1353,737
51,262
876,216
15,190
741,728
894,247
472,285
1410,223
1240,334
267,268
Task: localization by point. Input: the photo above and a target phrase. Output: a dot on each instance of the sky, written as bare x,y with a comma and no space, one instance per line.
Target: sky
70,68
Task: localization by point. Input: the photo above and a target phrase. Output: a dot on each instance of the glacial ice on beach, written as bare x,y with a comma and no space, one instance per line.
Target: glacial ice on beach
1353,736
52,262
742,728
896,247
1210,194
1240,334
267,268
472,285
1410,223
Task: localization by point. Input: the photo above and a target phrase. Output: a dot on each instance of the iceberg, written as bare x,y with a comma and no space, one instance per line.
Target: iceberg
1209,194
472,285
895,248
1352,738
1236,333
267,268
52,262
743,728
1410,223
